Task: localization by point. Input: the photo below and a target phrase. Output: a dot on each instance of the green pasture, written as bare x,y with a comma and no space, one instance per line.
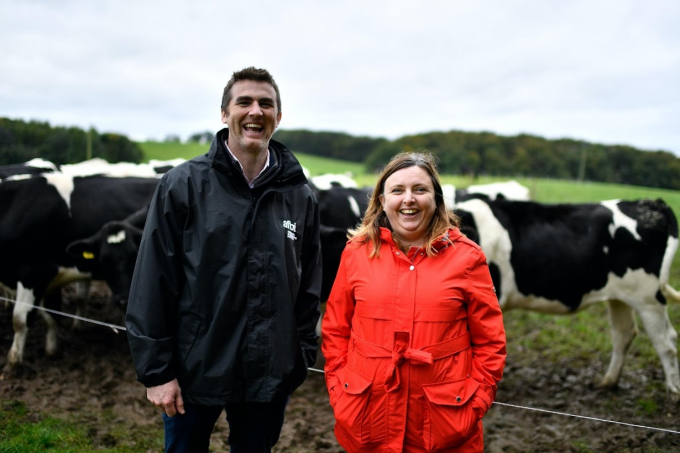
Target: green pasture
317,165
22,431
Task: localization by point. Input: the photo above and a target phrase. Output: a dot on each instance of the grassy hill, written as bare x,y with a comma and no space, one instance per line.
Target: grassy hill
315,164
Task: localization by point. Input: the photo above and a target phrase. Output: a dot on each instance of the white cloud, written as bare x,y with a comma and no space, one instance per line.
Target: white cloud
604,71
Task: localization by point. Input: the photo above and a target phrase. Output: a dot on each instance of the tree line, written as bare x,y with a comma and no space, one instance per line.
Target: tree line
21,141
459,152
486,153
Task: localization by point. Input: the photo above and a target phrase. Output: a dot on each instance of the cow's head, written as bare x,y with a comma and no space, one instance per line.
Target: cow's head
110,254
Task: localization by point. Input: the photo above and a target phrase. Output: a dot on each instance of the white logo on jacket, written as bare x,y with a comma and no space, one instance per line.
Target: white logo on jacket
290,226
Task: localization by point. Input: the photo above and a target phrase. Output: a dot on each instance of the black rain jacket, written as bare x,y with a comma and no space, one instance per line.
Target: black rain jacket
225,294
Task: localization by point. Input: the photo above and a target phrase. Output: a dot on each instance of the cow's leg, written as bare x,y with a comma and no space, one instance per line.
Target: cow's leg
51,336
7,294
25,301
624,329
664,338
82,295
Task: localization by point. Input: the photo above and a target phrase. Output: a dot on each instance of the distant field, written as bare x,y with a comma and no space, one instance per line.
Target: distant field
315,164
167,151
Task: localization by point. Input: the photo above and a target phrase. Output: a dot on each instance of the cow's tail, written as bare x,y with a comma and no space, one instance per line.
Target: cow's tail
670,293
671,247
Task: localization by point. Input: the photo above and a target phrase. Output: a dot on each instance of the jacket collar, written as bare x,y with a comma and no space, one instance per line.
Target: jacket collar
283,168
452,235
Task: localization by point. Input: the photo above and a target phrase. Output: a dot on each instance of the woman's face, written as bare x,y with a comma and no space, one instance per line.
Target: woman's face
408,200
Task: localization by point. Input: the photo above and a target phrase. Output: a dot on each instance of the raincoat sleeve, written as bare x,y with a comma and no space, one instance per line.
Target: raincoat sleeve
307,303
336,327
151,317
487,333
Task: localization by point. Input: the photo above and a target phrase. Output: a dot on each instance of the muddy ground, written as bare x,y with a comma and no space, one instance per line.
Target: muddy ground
92,382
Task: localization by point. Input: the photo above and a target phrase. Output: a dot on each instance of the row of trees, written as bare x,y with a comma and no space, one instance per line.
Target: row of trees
336,145
475,153
486,153
21,141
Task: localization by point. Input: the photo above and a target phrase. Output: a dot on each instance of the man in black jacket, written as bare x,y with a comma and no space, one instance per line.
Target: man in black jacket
225,295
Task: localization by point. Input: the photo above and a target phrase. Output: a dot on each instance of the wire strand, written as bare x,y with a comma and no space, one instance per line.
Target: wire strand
113,327
116,328
586,417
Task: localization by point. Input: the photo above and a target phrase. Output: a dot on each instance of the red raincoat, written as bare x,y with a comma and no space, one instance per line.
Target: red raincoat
414,347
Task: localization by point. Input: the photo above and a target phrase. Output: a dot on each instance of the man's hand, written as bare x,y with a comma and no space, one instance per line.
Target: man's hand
168,397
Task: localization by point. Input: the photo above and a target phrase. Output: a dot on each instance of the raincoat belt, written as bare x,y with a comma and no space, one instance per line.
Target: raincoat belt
401,352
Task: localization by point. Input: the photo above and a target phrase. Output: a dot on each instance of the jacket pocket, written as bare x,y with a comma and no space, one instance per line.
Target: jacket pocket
449,418
187,332
351,407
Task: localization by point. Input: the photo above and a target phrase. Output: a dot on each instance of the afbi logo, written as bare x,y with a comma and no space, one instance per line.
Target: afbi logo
290,226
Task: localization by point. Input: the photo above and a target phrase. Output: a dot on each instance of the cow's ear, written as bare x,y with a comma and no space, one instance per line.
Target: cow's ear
136,236
82,250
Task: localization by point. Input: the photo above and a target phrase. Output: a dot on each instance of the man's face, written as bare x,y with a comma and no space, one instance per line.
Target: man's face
252,116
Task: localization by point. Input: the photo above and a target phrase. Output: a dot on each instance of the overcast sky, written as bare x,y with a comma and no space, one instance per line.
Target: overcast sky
605,71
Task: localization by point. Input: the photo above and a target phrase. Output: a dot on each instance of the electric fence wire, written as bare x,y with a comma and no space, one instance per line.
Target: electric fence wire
116,329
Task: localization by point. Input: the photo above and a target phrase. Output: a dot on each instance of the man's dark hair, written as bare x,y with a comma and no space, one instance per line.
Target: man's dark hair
251,73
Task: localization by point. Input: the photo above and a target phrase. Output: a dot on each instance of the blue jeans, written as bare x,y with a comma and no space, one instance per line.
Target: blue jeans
253,427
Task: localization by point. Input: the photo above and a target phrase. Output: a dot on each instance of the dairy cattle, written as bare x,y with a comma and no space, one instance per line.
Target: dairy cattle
32,167
507,190
329,180
164,166
340,208
566,257
114,249
39,217
99,166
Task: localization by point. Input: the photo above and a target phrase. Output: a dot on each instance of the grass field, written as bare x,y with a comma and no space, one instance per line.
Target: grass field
317,165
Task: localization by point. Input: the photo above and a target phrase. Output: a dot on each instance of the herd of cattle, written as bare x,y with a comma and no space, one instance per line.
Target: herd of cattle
84,221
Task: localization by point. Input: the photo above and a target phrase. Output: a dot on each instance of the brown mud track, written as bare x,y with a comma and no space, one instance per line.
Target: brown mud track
92,381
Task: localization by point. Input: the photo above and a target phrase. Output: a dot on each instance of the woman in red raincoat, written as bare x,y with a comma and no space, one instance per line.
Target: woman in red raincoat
413,333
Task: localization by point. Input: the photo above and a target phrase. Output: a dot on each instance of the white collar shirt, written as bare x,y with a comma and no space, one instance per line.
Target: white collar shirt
251,184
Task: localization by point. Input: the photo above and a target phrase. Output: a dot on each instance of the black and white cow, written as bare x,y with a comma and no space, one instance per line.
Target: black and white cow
507,190
32,167
114,249
340,208
566,257
40,216
164,166
504,190
328,180
99,166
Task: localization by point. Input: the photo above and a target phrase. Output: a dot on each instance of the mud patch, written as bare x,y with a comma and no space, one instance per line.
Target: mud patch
92,381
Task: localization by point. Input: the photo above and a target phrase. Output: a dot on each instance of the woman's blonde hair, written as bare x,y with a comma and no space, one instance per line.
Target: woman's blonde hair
375,217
